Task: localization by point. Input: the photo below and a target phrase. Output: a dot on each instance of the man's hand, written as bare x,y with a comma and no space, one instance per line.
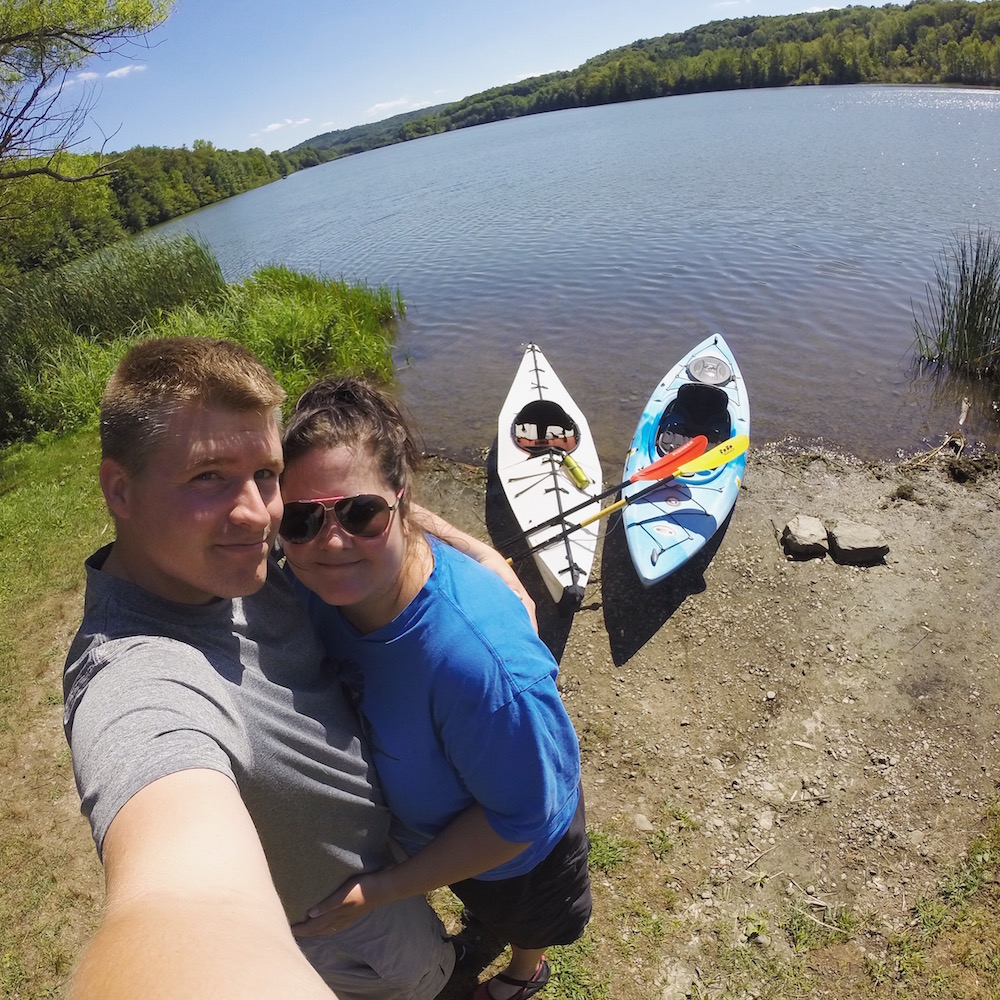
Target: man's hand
191,910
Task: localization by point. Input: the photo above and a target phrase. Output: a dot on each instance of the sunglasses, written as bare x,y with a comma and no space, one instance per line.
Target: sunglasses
364,516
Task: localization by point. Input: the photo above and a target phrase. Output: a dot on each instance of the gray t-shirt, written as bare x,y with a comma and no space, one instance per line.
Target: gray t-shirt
239,686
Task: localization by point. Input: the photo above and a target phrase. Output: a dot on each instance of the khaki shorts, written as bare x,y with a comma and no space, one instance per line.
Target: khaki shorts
399,951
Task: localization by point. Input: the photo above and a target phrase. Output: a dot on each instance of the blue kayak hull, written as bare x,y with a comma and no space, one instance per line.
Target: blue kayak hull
703,393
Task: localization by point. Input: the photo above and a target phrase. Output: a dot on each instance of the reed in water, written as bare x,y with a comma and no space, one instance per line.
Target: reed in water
960,326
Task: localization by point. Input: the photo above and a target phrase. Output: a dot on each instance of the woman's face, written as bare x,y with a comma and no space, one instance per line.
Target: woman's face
344,569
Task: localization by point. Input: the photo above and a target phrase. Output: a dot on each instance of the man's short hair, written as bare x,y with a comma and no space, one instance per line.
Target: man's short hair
158,377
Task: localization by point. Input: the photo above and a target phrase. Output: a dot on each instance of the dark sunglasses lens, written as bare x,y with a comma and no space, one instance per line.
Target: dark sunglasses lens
301,522
365,516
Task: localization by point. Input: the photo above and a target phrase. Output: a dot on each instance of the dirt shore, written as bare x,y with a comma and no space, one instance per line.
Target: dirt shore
801,732
766,733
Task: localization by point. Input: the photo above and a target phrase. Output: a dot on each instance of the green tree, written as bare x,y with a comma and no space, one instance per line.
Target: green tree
48,223
41,42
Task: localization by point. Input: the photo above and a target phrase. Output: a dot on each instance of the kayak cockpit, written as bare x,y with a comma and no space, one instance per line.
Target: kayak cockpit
697,409
543,424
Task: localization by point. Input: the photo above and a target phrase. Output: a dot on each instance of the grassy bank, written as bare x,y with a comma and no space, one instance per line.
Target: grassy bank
63,332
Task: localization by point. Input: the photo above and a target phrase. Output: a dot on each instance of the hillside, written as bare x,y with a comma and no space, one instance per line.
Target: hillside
937,41
360,137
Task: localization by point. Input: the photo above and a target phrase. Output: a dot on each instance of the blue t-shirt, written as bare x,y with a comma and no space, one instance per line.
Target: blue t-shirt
458,696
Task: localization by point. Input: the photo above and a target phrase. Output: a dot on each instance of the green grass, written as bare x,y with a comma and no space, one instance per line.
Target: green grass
302,326
574,976
52,516
806,930
53,321
960,326
608,852
62,332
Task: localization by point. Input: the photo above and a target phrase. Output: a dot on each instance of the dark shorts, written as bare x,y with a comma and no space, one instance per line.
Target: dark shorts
549,905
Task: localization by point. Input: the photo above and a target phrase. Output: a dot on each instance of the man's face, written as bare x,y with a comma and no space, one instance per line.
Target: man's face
198,523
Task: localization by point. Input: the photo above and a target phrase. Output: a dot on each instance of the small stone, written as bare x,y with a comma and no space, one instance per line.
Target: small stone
805,537
642,823
857,544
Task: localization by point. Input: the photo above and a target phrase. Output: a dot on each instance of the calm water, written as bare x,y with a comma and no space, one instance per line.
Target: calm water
803,224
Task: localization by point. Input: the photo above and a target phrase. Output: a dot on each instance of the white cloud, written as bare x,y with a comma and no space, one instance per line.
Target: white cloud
275,126
383,106
125,71
79,80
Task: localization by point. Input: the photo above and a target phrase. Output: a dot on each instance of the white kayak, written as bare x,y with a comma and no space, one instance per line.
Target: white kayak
547,464
703,394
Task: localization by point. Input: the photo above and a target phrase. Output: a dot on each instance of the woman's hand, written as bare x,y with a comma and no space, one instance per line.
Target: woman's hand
466,847
341,908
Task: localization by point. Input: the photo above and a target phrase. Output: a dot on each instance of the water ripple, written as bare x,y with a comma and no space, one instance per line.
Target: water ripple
804,224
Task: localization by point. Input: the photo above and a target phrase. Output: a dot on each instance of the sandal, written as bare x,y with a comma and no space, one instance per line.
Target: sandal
528,987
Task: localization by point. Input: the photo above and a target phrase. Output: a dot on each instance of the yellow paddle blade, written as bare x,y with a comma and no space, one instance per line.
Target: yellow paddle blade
714,457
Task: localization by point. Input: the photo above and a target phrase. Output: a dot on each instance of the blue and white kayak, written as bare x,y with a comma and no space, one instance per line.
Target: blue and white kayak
703,393
548,466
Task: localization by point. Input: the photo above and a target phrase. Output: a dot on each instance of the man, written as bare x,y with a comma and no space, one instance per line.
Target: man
223,773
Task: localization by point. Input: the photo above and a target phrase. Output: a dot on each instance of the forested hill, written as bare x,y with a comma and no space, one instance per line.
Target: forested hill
941,41
46,222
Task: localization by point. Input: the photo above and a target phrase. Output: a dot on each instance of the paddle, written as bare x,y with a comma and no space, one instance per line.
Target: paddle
662,468
720,455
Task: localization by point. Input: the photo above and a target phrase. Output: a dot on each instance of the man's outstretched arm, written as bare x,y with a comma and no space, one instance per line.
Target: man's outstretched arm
191,910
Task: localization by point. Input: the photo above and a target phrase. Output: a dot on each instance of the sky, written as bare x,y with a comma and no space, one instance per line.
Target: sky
245,73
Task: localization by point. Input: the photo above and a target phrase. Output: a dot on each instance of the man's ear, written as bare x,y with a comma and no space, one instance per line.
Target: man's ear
115,483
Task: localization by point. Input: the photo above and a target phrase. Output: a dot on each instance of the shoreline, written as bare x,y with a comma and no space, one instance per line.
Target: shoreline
764,742
808,736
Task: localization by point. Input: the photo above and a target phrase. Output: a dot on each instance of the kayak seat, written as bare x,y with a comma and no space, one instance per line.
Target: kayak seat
697,409
543,424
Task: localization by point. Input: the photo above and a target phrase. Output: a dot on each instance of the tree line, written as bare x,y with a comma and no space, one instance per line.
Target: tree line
943,41
45,221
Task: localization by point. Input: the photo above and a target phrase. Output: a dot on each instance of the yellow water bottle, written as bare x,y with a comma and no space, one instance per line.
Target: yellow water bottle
576,473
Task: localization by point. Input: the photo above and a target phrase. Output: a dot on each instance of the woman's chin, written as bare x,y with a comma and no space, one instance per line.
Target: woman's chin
339,587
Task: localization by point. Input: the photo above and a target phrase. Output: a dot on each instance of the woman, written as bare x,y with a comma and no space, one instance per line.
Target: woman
476,754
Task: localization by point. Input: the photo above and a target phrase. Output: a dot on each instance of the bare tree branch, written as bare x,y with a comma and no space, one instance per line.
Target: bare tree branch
38,50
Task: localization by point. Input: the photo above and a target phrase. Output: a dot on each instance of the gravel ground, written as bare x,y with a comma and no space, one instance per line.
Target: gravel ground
808,732
767,733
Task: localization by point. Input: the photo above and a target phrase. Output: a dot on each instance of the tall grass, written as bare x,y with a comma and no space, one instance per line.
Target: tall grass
49,318
302,326
135,282
63,332
960,326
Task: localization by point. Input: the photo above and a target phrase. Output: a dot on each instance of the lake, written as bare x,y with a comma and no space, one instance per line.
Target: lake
804,224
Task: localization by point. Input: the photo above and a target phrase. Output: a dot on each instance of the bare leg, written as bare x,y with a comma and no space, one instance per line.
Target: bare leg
523,965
